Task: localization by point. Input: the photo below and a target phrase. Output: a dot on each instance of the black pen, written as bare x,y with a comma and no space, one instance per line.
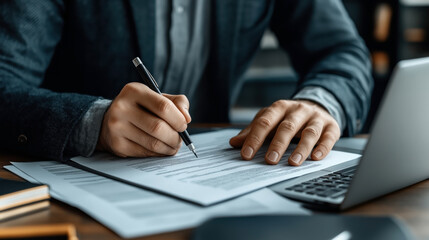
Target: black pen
151,83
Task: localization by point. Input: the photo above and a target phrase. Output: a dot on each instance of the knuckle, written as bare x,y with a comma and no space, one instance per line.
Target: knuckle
303,150
311,132
318,114
304,107
113,122
330,136
258,115
300,104
253,140
118,106
318,122
336,129
155,144
130,87
260,112
156,127
323,148
263,122
164,106
278,145
173,152
281,103
183,98
288,125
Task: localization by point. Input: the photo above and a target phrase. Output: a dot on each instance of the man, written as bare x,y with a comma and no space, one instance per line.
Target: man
62,61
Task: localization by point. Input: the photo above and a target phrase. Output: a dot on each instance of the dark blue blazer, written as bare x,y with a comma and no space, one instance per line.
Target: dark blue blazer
58,56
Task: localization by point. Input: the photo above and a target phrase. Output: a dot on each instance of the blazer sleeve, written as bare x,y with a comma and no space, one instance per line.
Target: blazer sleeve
34,120
326,51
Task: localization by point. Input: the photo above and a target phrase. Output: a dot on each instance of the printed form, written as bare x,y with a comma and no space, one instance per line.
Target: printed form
131,211
217,175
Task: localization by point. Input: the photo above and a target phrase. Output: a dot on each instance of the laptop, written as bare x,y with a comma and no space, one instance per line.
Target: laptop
396,155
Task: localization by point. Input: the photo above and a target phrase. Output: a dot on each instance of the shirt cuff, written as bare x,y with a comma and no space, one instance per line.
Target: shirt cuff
326,100
84,136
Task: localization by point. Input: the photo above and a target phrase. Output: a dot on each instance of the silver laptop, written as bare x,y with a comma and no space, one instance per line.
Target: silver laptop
396,155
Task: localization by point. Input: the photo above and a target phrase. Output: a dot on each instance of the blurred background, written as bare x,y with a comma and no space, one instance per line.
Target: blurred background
393,31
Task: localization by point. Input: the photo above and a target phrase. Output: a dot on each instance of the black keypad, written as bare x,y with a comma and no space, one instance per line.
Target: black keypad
332,185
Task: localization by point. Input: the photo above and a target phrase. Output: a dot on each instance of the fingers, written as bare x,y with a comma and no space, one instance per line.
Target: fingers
309,137
136,150
127,148
288,119
182,103
123,138
237,141
157,104
261,127
142,123
326,142
287,129
155,127
153,144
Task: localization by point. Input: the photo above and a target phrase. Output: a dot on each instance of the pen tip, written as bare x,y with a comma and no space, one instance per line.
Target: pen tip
192,148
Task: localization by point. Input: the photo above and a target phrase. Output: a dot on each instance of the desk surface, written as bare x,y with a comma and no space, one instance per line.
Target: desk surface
410,205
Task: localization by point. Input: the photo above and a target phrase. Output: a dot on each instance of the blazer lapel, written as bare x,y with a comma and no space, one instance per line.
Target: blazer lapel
143,17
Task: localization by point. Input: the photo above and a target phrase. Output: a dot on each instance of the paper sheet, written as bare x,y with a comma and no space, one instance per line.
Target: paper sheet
131,211
217,175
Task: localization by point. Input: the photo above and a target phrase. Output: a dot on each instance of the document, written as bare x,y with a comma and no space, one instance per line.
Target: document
131,211
217,175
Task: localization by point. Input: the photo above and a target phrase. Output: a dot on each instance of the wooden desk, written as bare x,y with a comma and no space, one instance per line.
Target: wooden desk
410,205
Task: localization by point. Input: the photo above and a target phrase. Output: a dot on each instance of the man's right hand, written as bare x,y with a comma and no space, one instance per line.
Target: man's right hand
142,123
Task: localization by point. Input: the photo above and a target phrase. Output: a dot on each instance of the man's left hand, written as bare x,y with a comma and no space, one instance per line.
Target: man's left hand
284,120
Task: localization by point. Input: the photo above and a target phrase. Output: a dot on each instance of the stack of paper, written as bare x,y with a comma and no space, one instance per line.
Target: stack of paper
131,211
216,176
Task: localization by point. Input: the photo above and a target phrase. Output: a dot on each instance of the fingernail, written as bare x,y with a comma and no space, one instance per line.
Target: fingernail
248,152
272,157
318,154
296,158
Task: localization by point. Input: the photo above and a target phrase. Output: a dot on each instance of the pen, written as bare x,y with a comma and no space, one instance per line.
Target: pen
151,83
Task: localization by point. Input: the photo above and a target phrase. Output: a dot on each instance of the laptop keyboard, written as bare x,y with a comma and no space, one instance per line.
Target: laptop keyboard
333,185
